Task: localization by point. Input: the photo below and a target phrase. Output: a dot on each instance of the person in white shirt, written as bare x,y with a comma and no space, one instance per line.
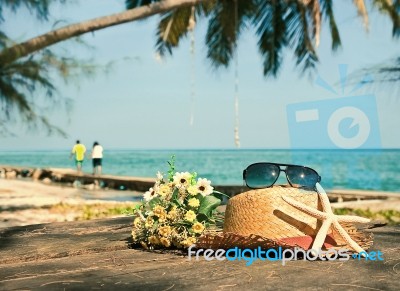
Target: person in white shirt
97,158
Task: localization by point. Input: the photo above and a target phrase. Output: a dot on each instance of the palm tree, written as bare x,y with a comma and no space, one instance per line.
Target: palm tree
27,91
40,7
385,74
388,72
24,75
11,54
278,24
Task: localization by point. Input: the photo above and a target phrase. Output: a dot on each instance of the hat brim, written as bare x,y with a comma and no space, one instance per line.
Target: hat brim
226,240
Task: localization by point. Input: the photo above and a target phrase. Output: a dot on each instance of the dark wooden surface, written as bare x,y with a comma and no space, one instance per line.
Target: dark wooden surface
97,255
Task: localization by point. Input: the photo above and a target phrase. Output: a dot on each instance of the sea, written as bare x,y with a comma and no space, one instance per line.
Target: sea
339,169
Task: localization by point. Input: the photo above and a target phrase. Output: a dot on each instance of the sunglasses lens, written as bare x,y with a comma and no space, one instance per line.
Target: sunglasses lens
261,175
302,176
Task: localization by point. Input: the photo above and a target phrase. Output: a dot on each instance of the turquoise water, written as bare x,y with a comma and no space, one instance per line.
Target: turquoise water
351,169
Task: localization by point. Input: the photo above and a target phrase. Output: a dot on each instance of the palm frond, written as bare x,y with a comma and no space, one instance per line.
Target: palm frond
130,4
391,8
40,7
299,37
27,85
327,12
205,8
314,11
4,40
11,98
385,76
270,22
171,29
387,72
226,21
362,12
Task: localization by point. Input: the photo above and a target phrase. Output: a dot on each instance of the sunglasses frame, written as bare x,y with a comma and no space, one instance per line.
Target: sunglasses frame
280,170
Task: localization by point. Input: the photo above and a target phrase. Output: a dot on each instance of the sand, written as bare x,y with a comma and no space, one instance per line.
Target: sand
24,202
27,202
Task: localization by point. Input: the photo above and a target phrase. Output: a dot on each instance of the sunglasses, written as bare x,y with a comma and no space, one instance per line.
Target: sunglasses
264,175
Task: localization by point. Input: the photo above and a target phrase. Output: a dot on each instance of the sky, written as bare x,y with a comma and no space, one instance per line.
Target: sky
143,103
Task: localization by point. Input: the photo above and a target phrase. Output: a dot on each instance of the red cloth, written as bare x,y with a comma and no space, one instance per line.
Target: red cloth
305,242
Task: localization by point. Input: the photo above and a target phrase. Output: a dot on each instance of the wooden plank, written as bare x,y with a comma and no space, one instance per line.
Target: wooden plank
97,255
56,240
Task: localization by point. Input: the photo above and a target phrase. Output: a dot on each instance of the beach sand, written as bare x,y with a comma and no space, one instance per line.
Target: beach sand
27,202
24,202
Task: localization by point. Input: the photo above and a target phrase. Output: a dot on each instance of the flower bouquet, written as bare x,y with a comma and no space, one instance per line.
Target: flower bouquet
175,211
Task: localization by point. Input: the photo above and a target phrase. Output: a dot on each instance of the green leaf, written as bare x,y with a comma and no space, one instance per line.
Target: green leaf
155,225
208,204
202,217
220,195
153,202
171,170
175,197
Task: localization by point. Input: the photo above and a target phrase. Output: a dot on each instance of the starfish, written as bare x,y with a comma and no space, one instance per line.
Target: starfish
329,219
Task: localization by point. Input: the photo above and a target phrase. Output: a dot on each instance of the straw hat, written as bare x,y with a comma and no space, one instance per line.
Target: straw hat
262,218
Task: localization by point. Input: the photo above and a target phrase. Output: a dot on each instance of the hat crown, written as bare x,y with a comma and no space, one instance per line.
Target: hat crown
263,212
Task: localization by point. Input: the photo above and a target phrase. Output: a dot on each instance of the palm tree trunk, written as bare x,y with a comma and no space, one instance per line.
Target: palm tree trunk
13,53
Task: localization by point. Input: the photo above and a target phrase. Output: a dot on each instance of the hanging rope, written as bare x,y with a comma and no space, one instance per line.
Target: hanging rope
191,26
236,129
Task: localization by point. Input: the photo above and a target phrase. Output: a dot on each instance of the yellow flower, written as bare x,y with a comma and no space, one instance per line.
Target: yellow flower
149,222
159,211
166,243
193,190
198,227
193,202
190,215
174,231
164,230
162,218
154,240
137,222
189,241
133,235
164,190
182,192
172,214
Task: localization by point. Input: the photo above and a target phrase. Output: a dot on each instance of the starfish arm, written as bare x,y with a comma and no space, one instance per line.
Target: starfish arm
326,205
321,235
352,218
347,238
304,208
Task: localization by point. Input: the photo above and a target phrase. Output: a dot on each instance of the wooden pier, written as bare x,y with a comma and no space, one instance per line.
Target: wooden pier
72,178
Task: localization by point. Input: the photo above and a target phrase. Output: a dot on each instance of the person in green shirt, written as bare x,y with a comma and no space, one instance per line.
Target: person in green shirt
79,151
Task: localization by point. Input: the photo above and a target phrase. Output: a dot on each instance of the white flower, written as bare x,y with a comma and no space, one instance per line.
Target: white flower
160,176
149,195
182,179
204,187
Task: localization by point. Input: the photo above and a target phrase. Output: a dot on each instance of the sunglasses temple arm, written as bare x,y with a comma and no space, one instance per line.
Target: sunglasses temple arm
319,188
